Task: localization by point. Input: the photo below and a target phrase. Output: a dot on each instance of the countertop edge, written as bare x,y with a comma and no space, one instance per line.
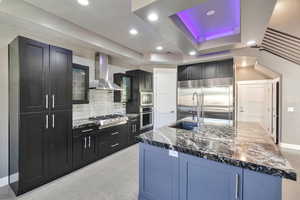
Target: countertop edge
217,158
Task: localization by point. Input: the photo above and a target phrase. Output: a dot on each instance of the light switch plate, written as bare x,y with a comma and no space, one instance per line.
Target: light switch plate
291,109
173,153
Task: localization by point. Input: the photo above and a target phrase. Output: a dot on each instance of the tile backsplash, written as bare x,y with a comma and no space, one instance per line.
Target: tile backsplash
101,102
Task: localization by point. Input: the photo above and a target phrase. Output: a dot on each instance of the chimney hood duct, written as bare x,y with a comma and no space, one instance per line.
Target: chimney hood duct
101,81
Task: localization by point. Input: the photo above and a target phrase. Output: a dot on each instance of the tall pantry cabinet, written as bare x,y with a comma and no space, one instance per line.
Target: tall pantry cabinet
40,113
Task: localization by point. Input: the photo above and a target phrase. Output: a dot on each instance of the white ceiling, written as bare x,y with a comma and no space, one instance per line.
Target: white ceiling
109,18
104,24
286,17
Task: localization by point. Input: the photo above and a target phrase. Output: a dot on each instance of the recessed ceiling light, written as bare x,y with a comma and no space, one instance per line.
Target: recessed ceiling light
133,31
159,48
210,12
251,43
152,17
83,2
192,53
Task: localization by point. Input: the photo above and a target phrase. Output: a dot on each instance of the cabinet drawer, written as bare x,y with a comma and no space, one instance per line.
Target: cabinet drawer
109,146
84,131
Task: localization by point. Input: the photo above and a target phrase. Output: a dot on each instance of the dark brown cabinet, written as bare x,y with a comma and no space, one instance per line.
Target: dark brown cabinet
134,130
112,140
142,82
84,149
34,153
143,79
31,75
207,70
60,78
40,95
59,142
80,86
124,82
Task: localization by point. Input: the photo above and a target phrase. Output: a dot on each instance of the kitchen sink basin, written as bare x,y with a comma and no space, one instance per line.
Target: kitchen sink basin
186,125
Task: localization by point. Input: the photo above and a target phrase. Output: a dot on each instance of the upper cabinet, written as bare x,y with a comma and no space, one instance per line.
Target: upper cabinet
33,62
45,77
60,78
143,79
80,84
208,70
124,81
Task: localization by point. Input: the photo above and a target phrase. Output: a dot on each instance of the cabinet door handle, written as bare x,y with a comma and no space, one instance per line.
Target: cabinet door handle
114,145
135,128
89,141
84,142
53,101
47,121
53,120
47,101
115,133
87,130
237,186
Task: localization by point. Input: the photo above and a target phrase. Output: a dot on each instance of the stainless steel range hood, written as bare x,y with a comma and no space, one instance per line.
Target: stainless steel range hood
101,81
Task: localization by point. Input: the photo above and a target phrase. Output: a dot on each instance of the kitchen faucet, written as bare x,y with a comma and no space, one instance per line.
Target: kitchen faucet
199,108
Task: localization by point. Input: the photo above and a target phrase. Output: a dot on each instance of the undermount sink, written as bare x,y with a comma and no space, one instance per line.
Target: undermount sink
186,125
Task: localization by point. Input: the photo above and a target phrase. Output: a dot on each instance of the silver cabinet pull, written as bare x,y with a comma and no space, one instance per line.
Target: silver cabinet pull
115,133
237,186
47,121
53,121
89,141
114,145
87,130
47,101
133,128
84,142
53,101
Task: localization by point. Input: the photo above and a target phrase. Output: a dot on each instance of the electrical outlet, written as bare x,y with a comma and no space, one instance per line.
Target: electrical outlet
291,109
173,153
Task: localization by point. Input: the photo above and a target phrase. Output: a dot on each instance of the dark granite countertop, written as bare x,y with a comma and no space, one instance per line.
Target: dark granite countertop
247,145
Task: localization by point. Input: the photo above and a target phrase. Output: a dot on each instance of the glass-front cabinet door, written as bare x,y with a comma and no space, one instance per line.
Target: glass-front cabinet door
80,84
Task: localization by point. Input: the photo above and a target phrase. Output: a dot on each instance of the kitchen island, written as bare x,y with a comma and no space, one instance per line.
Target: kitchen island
218,162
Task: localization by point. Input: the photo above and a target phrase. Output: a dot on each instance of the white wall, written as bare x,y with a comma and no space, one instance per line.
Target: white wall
290,73
3,111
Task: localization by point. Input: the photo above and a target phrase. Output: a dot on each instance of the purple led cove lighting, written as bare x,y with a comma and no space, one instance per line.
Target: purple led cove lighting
193,19
219,34
185,18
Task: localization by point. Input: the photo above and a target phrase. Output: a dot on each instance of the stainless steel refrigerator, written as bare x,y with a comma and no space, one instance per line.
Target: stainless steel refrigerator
218,98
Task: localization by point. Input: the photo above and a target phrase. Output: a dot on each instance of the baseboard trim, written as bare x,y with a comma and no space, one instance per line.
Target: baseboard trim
3,181
290,146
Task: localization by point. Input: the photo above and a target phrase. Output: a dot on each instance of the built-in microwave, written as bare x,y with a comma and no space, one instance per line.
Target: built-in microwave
146,117
146,98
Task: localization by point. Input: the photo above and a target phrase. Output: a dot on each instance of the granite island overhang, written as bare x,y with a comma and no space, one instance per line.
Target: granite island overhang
248,163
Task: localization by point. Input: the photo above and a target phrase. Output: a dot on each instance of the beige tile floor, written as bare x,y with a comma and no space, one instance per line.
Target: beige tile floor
116,178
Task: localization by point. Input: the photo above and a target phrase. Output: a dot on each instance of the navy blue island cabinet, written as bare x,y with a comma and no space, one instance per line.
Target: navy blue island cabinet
170,175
